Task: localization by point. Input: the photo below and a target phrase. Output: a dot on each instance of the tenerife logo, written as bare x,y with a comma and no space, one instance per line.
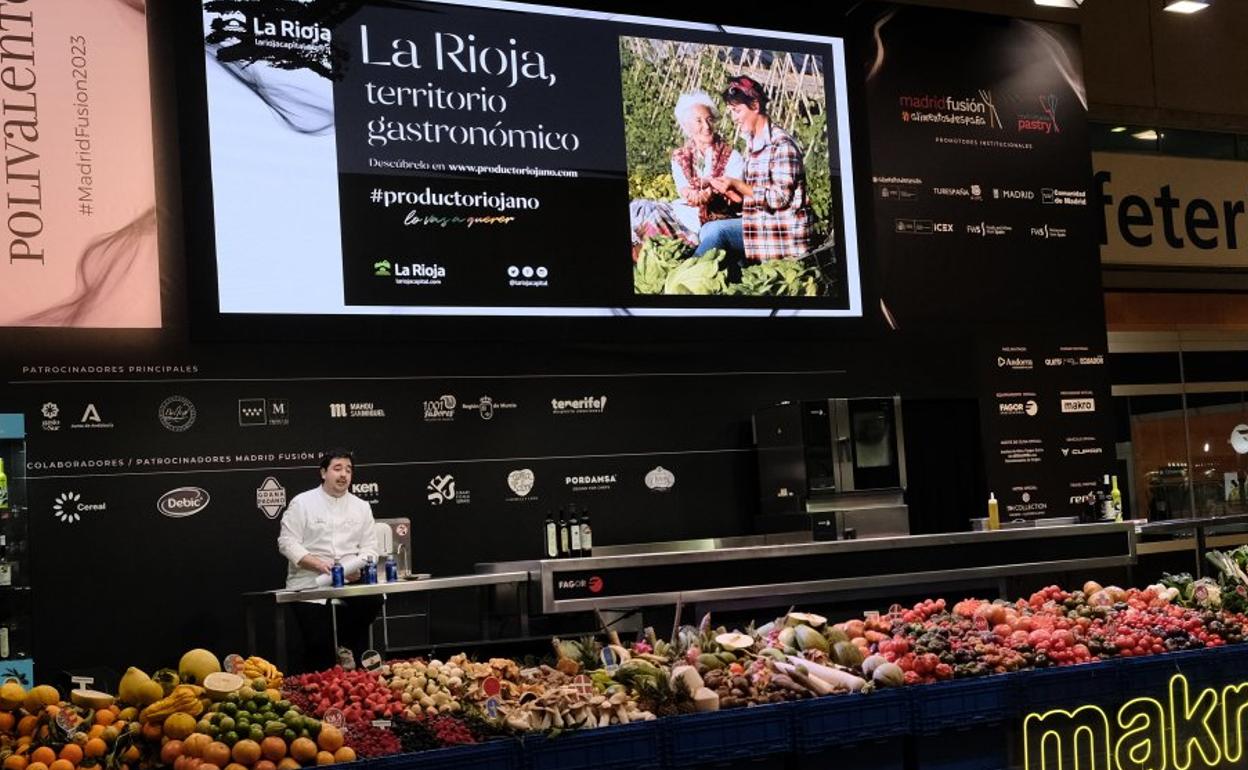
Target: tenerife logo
270,497
961,111
182,502
177,414
440,409
583,405
68,507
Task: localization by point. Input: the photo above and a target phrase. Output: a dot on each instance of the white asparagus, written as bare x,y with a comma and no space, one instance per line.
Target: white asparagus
833,676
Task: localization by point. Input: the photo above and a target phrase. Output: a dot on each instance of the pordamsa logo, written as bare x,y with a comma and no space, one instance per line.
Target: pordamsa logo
599,483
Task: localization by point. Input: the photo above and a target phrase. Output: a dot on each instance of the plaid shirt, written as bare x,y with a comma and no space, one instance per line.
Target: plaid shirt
776,217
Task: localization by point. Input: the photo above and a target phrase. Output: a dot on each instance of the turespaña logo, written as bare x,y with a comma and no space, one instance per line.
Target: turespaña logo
69,508
660,479
50,412
582,405
440,409
270,497
183,502
521,481
176,413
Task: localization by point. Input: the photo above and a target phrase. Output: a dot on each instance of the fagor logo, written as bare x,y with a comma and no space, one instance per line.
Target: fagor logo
1028,407
182,502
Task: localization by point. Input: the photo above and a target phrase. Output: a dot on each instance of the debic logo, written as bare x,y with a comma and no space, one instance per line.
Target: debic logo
382,268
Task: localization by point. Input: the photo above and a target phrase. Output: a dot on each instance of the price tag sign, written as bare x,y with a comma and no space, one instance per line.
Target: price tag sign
382,723
233,663
334,717
491,687
610,661
491,707
370,660
583,685
82,682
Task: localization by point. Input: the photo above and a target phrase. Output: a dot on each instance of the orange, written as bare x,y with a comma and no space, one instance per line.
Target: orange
131,754
195,744
344,754
152,731
234,766
105,717
303,749
264,764
72,753
273,749
43,754
96,747
246,752
36,766
330,738
61,764
289,763
15,762
96,731
324,758
216,753
208,766
27,725
7,720
170,752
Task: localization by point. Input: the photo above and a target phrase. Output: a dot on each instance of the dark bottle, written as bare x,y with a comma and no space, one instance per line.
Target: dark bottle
587,535
574,532
565,537
550,542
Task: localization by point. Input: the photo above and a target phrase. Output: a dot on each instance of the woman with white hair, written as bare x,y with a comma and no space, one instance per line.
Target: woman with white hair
705,155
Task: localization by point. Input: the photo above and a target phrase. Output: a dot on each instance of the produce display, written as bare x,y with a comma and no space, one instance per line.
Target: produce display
252,717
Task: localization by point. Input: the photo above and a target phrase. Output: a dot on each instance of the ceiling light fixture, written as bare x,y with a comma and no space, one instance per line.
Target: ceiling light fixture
1060,3
1117,129
1147,135
1186,6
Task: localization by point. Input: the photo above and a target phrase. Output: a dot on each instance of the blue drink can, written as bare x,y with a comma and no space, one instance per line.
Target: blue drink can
392,570
370,572
336,574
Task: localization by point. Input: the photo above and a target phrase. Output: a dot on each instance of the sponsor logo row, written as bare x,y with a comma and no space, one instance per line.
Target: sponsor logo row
178,414
70,507
982,229
433,274
1026,404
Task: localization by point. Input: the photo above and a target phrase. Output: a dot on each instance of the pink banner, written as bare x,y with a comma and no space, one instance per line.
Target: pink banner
78,231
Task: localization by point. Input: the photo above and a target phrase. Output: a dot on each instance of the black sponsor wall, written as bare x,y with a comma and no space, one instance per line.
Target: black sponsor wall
178,515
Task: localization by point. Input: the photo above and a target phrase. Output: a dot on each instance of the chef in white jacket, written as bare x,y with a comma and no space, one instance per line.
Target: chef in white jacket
321,526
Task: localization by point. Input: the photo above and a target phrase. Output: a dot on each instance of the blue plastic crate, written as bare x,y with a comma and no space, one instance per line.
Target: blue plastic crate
874,755
494,755
719,736
985,747
1232,659
636,745
1098,683
964,703
1150,675
851,718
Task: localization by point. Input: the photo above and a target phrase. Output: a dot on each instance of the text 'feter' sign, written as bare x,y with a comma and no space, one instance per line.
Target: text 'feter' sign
1160,210
1182,729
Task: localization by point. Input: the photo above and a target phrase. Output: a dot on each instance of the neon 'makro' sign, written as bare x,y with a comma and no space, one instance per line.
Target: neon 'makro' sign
1185,731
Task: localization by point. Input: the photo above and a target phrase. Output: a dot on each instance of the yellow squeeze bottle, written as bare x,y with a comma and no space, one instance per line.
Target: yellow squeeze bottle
994,514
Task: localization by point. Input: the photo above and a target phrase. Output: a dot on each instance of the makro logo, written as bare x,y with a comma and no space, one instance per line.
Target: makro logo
419,274
583,405
1073,405
177,414
182,502
69,508
440,409
270,497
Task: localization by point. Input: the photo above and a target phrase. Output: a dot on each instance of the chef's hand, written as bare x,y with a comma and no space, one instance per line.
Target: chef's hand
316,563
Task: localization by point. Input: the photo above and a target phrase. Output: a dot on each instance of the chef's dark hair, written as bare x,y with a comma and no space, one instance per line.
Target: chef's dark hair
335,453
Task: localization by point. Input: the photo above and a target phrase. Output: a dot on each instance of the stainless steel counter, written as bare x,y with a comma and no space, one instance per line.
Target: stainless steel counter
401,587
